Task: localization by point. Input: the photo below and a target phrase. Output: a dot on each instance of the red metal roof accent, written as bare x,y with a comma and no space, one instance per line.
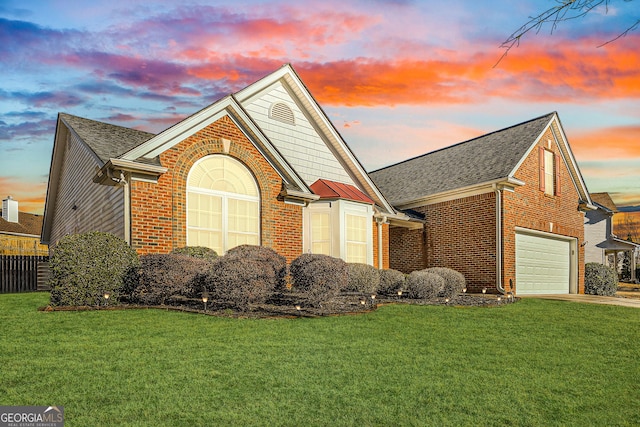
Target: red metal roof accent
336,190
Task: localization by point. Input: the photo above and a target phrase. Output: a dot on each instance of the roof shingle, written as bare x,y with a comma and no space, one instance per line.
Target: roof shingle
27,224
483,159
106,140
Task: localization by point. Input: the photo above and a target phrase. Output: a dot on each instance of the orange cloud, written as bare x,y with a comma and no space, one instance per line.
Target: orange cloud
30,196
572,69
621,142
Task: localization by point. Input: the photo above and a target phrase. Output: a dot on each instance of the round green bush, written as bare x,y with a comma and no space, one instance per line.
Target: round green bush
600,279
391,281
454,281
86,266
197,252
363,278
318,277
162,276
423,285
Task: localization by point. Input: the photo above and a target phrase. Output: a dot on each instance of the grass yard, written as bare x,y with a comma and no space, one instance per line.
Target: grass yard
536,362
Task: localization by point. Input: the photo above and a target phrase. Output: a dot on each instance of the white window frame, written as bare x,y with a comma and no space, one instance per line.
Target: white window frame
225,197
338,212
549,173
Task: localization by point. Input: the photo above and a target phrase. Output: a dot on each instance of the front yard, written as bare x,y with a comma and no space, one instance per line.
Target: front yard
531,363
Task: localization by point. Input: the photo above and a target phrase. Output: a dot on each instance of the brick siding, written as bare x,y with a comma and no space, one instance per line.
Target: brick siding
461,234
531,208
158,218
385,245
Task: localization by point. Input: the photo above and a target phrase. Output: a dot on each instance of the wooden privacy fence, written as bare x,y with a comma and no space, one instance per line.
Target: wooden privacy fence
22,273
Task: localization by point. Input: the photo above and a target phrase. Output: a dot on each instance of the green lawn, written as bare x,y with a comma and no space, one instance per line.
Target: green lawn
531,363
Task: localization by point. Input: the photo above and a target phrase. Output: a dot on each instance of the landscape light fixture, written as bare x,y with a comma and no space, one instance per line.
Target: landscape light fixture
484,290
446,300
464,290
106,298
205,298
363,302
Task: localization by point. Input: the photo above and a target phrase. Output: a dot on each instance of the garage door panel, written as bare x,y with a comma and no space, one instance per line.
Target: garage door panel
542,265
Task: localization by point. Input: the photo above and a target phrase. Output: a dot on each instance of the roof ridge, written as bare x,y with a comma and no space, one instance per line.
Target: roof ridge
105,123
464,142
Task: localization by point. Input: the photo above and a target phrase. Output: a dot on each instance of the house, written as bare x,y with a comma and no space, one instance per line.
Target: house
506,209
262,166
19,231
602,246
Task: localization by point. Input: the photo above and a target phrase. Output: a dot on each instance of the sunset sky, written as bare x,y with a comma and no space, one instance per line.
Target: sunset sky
398,78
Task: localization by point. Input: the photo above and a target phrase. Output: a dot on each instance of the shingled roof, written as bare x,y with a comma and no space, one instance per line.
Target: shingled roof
604,200
483,159
28,223
106,140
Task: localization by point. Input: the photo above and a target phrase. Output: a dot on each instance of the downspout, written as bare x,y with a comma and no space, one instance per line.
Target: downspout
379,223
127,208
498,239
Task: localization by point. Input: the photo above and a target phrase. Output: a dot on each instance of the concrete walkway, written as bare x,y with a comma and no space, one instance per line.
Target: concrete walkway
591,299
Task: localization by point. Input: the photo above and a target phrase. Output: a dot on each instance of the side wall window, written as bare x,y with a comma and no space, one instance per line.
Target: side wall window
223,204
341,228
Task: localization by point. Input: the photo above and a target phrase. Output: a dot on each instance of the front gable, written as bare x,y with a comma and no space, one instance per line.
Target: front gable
553,140
292,132
311,144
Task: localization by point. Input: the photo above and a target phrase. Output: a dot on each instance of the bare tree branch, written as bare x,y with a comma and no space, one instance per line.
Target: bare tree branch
565,10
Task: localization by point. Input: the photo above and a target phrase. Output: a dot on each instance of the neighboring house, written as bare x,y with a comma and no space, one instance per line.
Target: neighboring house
505,209
261,166
19,231
602,246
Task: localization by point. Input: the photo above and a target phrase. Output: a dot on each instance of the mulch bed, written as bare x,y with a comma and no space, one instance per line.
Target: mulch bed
291,305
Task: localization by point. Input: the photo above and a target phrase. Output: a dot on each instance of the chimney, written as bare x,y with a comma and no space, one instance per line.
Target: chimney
10,209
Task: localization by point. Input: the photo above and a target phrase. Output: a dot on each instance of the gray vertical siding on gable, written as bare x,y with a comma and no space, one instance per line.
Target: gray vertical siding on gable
301,145
595,233
97,207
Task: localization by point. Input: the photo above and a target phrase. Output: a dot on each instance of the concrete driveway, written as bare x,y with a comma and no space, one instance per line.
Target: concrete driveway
591,299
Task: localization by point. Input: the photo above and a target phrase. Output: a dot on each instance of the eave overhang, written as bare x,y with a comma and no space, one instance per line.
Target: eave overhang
509,183
110,173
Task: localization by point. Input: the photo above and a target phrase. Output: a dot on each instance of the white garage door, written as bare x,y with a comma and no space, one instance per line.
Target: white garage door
543,265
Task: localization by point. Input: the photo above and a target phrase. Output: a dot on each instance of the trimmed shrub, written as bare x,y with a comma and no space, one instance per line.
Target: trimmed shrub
391,281
363,278
245,275
197,252
162,276
600,279
423,285
319,277
454,281
268,258
86,266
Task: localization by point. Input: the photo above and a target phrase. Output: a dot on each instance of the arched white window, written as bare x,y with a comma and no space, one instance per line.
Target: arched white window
223,204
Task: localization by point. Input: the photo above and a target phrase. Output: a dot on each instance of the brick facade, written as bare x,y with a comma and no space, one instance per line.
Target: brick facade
461,234
385,245
158,210
531,208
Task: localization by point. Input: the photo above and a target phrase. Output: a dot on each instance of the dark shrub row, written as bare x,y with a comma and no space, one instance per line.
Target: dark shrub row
87,266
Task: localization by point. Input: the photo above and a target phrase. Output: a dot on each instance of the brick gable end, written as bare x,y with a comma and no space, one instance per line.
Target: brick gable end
158,210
